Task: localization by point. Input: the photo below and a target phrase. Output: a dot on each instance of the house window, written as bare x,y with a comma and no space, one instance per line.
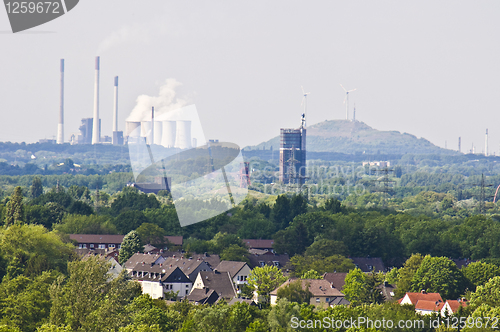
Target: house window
91,245
84,246
111,245
276,263
119,246
317,300
102,246
327,300
186,292
262,263
187,286
370,267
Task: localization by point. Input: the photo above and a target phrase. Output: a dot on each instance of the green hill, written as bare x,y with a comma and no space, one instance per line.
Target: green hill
357,137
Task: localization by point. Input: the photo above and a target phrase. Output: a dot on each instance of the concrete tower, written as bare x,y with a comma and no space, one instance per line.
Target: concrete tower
96,133
60,125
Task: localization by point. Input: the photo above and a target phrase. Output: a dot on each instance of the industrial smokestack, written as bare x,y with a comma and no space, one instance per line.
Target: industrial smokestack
115,107
60,125
96,135
460,144
486,143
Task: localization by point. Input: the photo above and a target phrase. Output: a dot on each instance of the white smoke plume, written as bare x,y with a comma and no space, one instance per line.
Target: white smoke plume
165,102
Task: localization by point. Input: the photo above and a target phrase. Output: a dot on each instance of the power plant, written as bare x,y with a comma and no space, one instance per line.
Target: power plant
167,133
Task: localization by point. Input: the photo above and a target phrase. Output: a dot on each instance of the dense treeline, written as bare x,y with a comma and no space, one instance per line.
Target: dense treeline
44,287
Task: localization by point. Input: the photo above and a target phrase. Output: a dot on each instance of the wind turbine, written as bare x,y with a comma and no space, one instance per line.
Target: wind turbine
304,102
346,101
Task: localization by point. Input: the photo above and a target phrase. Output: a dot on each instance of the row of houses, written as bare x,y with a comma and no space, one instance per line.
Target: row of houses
203,278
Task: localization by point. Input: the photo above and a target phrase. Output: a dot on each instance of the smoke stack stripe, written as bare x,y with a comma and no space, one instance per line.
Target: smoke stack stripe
96,137
60,125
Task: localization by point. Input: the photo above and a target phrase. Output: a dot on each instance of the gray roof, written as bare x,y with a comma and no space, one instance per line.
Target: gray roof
212,260
187,265
232,267
369,264
221,282
340,300
269,259
318,287
336,279
97,238
203,296
140,259
240,300
158,273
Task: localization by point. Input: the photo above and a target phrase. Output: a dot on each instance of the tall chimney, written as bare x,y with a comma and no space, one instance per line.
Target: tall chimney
486,143
96,137
152,139
60,125
115,112
460,144
115,106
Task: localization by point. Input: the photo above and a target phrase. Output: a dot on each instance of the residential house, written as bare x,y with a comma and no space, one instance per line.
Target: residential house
266,245
425,303
425,307
336,279
261,258
139,259
189,266
97,241
110,241
369,264
158,279
238,271
451,306
203,296
240,300
220,282
211,260
322,291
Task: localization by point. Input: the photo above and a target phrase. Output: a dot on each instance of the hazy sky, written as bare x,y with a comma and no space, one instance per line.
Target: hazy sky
429,68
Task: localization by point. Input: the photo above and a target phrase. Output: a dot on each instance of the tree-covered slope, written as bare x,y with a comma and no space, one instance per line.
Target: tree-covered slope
357,137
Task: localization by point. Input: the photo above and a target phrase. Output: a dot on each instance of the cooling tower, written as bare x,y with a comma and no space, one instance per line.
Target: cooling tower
183,137
168,134
195,143
130,127
146,131
158,132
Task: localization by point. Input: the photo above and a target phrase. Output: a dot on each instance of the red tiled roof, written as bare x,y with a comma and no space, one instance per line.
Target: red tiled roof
415,297
429,305
454,304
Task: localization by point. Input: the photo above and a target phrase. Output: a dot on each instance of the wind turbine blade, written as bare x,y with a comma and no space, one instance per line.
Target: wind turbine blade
351,90
343,87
